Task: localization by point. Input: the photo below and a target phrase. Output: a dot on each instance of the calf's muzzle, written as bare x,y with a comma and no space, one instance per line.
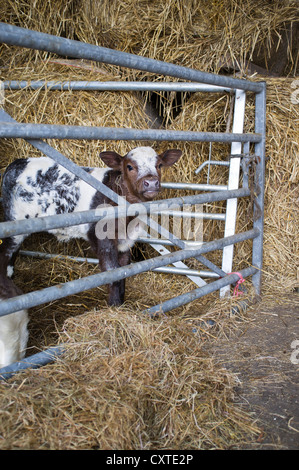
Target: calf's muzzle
151,184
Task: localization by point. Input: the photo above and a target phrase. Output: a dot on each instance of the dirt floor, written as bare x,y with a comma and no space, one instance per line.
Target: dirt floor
265,356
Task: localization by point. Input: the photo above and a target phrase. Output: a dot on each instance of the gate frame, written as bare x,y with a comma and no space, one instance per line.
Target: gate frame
201,81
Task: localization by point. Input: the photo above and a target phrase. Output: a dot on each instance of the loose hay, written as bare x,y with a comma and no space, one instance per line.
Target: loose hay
126,382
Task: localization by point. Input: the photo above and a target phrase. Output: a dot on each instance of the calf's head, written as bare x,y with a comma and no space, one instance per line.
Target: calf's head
141,169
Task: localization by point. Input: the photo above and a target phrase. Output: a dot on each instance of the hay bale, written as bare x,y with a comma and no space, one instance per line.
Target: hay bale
281,240
184,32
125,382
84,108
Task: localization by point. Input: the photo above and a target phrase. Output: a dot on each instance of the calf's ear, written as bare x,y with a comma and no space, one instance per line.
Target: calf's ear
171,156
111,159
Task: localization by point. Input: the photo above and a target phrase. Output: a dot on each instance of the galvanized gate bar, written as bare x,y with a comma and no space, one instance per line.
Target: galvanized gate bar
191,215
184,299
32,362
258,212
42,224
112,86
23,37
52,131
49,294
193,186
80,259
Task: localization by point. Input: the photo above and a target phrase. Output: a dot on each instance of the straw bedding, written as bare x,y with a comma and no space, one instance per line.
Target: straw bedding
127,382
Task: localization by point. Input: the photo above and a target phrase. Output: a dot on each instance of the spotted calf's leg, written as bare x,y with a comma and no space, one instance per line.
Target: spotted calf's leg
107,254
124,258
9,248
108,260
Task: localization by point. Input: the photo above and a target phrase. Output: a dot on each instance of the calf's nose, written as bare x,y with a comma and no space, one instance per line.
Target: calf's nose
151,184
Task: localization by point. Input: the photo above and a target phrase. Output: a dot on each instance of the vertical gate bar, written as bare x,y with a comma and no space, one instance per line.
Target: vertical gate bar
233,183
258,218
246,150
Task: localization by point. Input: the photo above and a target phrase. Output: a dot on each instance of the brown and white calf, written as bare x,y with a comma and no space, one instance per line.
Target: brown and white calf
13,327
37,187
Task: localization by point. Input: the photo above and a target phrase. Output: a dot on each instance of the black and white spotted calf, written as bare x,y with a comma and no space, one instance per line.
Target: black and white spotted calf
37,187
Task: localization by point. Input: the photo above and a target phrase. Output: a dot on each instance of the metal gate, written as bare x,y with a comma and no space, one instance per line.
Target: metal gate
244,147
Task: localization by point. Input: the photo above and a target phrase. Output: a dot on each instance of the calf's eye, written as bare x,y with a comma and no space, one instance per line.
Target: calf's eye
130,168
160,165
